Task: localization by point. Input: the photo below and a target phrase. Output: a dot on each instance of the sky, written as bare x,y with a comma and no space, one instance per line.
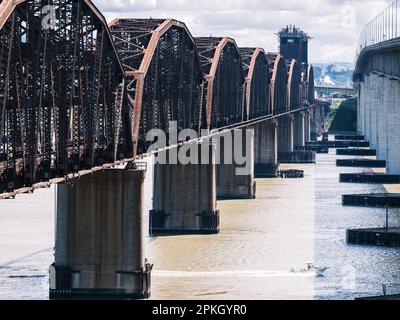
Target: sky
334,25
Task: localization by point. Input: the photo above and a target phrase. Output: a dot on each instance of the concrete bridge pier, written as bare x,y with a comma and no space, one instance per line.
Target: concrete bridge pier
368,94
360,109
382,151
266,149
392,130
99,249
314,121
235,165
299,130
292,132
307,126
185,197
376,109
285,138
379,118
320,120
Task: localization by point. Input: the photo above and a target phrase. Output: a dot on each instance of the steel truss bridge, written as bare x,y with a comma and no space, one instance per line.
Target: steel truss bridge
78,95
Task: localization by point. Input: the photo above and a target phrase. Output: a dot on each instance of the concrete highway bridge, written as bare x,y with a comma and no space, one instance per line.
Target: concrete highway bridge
329,91
377,75
78,98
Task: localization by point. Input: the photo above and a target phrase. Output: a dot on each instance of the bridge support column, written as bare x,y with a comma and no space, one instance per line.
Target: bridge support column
289,127
393,127
299,130
235,179
285,135
99,248
307,126
321,123
376,108
382,120
266,150
314,119
360,109
369,99
184,200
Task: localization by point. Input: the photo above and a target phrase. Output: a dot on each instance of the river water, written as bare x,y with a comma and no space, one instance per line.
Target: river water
261,252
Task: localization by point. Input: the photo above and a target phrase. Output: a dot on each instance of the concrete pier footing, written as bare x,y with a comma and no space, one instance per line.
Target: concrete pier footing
371,178
359,144
351,137
361,163
235,166
307,126
292,139
266,150
286,134
299,130
379,117
99,250
383,200
184,195
298,157
378,236
356,152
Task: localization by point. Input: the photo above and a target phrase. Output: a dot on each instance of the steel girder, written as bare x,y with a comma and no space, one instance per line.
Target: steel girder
255,67
278,75
61,91
294,87
310,85
164,78
224,90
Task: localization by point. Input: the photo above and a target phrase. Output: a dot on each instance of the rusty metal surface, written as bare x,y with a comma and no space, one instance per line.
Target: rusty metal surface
310,85
61,92
75,176
224,89
278,74
294,88
255,66
81,97
164,78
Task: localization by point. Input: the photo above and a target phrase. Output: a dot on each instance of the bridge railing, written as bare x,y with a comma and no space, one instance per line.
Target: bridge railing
385,26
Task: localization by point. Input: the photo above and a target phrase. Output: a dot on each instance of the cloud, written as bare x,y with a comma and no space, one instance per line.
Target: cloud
335,25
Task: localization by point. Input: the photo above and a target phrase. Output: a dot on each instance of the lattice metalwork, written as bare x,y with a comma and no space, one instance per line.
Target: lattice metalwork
61,91
294,88
222,66
310,85
164,78
255,67
278,75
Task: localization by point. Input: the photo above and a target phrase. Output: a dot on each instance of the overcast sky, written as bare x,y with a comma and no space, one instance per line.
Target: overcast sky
334,24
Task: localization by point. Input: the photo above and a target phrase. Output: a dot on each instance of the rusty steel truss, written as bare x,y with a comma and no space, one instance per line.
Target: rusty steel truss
257,90
278,75
61,91
309,85
77,95
294,85
225,82
164,78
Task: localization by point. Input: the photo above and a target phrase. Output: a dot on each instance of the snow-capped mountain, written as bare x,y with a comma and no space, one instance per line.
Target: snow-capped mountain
338,74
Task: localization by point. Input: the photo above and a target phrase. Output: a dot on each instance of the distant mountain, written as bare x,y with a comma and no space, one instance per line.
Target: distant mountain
337,74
